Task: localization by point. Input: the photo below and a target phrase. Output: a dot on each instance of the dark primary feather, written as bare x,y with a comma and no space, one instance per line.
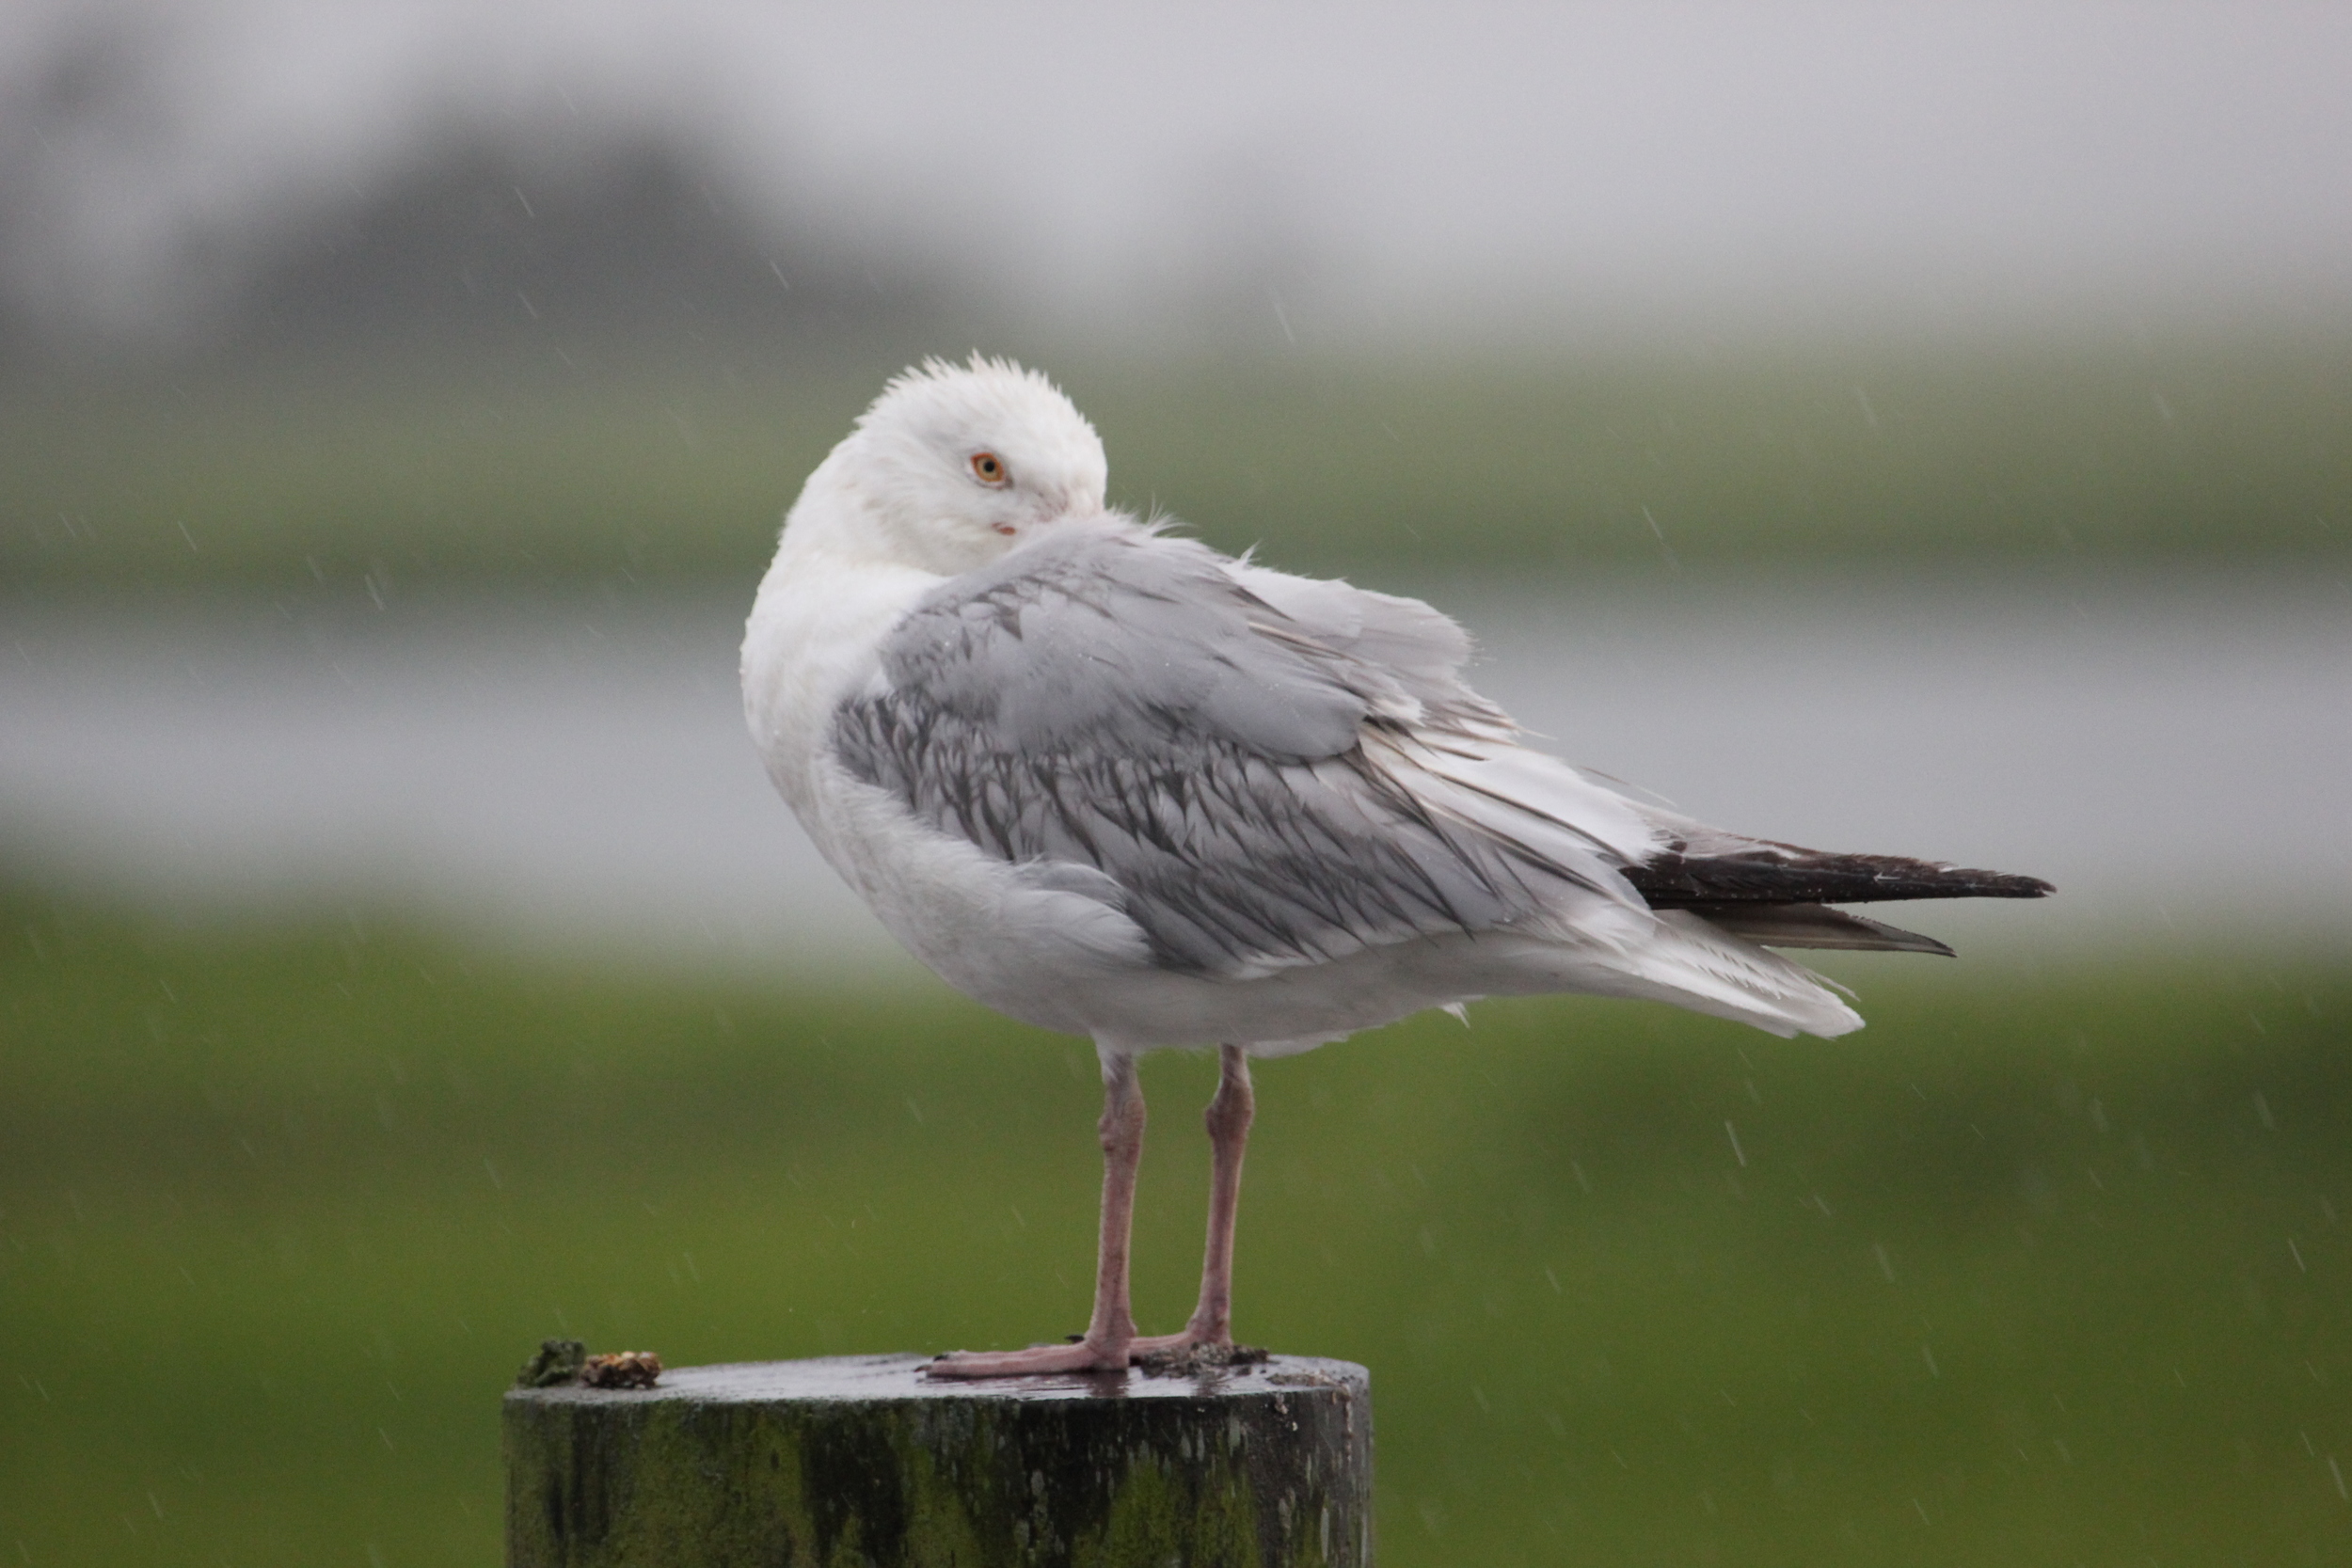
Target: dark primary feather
1785,874
1779,894
1111,704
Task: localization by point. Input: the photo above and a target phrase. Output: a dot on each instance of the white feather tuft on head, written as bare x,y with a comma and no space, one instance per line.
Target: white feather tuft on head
954,464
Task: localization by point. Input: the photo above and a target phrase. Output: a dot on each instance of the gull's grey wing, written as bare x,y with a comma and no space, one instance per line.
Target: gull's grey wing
1118,713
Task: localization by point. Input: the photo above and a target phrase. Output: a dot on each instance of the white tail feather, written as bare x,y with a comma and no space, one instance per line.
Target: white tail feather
1697,966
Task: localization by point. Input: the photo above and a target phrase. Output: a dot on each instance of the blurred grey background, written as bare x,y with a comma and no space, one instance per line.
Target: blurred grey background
1396,174
1916,428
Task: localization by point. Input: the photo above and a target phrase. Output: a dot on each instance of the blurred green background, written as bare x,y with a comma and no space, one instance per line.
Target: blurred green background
2045,1266
2196,448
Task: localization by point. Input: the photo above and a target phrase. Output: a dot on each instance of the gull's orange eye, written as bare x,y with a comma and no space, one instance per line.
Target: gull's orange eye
989,468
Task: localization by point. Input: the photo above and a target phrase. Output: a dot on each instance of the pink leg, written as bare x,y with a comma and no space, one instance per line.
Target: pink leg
1229,1116
1112,1330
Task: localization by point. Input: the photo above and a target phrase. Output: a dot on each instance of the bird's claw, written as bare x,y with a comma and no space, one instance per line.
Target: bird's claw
1038,1360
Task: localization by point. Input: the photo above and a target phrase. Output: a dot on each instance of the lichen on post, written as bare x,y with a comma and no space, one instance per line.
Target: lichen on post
861,1459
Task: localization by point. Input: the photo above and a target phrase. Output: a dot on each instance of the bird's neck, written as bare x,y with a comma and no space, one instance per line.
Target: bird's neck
827,602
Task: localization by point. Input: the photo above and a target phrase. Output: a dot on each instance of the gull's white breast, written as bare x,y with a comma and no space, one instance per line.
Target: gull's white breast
983,925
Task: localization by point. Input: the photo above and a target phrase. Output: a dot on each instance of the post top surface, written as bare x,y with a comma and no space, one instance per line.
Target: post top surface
854,1379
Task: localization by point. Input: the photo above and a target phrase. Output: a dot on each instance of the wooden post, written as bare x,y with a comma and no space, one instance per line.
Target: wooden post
861,1459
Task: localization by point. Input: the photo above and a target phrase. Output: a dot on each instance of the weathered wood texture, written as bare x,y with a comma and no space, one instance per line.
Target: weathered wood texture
859,1460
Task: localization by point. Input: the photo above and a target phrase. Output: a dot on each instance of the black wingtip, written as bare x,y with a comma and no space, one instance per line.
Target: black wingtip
1786,874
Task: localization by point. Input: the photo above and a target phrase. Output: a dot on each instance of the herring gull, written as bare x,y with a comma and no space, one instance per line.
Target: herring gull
1113,782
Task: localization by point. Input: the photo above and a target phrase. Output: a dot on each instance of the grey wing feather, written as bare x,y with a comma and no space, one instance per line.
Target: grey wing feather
1241,777
1421,650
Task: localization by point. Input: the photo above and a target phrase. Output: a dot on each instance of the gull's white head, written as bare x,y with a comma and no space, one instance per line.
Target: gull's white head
953,466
